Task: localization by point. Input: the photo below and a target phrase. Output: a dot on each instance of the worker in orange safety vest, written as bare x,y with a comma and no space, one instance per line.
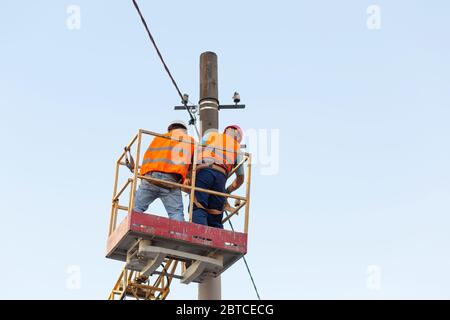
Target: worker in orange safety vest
215,162
168,158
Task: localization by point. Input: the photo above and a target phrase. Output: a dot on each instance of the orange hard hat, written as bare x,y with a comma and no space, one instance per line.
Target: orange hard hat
237,128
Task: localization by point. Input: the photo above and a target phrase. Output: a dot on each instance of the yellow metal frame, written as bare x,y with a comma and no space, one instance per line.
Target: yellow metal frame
132,182
133,284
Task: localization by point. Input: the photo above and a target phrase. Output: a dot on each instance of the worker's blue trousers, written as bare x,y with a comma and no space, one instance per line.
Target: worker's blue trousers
210,179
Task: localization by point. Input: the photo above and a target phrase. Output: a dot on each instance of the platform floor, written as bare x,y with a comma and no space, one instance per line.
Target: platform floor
178,237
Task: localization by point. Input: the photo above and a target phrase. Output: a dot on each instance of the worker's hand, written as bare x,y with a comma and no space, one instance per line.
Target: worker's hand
186,182
227,207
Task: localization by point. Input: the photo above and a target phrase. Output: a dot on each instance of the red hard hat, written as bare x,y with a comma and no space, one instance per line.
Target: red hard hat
236,127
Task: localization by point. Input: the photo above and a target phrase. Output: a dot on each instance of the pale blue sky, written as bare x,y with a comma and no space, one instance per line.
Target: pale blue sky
364,128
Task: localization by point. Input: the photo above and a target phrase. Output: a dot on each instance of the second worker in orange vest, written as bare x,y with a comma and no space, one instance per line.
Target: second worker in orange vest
215,163
167,158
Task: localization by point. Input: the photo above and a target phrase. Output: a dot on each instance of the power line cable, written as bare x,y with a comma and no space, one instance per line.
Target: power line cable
246,264
184,100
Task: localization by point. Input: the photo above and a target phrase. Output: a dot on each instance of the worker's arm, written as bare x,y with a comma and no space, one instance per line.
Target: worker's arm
239,177
236,183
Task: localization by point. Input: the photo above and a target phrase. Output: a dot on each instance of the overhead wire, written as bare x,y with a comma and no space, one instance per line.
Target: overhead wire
193,119
246,264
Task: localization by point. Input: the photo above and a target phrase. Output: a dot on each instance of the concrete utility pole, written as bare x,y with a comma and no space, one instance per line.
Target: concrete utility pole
209,92
211,289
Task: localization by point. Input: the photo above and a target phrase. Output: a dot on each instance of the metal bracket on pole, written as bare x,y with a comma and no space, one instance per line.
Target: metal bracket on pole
221,107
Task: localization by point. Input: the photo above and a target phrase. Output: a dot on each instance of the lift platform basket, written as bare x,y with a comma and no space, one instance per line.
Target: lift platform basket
143,241
147,242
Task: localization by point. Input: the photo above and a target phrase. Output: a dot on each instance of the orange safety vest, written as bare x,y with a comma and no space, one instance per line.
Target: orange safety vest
220,149
169,156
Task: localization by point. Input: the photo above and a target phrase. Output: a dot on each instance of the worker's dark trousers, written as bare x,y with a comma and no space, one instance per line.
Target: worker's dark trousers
210,179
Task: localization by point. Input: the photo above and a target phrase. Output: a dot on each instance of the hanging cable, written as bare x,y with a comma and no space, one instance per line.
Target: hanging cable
184,100
246,264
